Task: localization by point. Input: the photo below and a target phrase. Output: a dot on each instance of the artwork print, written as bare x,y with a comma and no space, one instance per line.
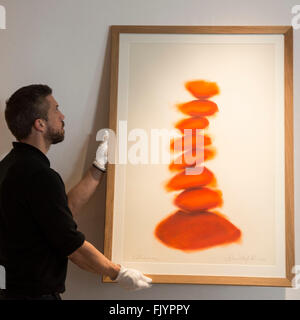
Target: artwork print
212,205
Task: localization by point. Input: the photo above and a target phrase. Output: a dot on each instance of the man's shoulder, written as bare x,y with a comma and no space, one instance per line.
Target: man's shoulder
5,163
44,172
7,160
46,177
27,169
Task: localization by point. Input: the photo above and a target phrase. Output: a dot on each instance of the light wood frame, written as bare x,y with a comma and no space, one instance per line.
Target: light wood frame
287,32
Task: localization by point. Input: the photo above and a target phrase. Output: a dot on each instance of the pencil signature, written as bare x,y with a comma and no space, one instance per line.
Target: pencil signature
248,258
143,257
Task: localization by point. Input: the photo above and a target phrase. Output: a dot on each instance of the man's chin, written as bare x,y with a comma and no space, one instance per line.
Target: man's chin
55,137
56,141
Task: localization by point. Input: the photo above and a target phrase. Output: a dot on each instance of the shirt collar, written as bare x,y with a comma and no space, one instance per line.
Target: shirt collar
30,148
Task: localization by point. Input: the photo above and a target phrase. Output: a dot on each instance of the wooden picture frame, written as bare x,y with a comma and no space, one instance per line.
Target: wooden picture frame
283,278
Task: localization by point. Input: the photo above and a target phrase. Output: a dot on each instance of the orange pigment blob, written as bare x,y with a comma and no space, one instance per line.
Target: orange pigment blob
202,89
189,142
193,226
192,123
189,159
198,108
184,181
198,199
196,231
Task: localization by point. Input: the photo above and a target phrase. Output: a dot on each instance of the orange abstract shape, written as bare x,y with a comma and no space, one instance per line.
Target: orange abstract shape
192,123
202,89
190,158
196,231
184,181
193,227
189,142
198,199
198,108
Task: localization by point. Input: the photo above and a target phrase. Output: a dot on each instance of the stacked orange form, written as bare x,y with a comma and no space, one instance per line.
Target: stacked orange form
194,226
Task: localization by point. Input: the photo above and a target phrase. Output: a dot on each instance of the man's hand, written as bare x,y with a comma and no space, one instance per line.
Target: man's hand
132,279
101,154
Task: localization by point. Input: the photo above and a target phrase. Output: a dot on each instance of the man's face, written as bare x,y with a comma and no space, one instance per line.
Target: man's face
55,132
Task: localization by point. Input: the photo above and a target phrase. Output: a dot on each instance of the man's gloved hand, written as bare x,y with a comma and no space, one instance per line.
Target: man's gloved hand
101,154
132,279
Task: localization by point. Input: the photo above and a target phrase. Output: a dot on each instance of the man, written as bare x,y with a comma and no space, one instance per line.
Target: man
37,231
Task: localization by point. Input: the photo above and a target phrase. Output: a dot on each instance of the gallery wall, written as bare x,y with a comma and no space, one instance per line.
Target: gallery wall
65,44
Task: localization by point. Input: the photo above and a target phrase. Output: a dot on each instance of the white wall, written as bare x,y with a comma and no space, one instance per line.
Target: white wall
64,43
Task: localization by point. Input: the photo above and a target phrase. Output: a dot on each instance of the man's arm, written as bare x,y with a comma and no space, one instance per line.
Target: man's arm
88,258
82,192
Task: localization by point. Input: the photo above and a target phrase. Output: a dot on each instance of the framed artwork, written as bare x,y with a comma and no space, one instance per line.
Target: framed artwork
213,202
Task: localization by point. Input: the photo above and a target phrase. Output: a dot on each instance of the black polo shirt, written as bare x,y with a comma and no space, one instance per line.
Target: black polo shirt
37,230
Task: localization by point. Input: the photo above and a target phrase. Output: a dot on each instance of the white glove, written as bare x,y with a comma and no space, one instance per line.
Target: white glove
101,153
132,279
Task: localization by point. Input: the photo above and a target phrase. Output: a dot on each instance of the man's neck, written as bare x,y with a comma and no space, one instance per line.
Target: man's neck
37,143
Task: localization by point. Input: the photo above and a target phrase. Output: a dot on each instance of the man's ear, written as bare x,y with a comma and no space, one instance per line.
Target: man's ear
39,125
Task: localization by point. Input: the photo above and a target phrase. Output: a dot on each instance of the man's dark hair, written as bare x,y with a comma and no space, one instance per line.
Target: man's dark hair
25,106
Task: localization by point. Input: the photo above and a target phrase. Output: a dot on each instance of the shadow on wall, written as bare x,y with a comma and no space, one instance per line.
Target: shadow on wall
95,208
92,217
6,136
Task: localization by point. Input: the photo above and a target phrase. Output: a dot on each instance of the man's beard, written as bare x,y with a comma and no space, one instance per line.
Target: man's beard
55,137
